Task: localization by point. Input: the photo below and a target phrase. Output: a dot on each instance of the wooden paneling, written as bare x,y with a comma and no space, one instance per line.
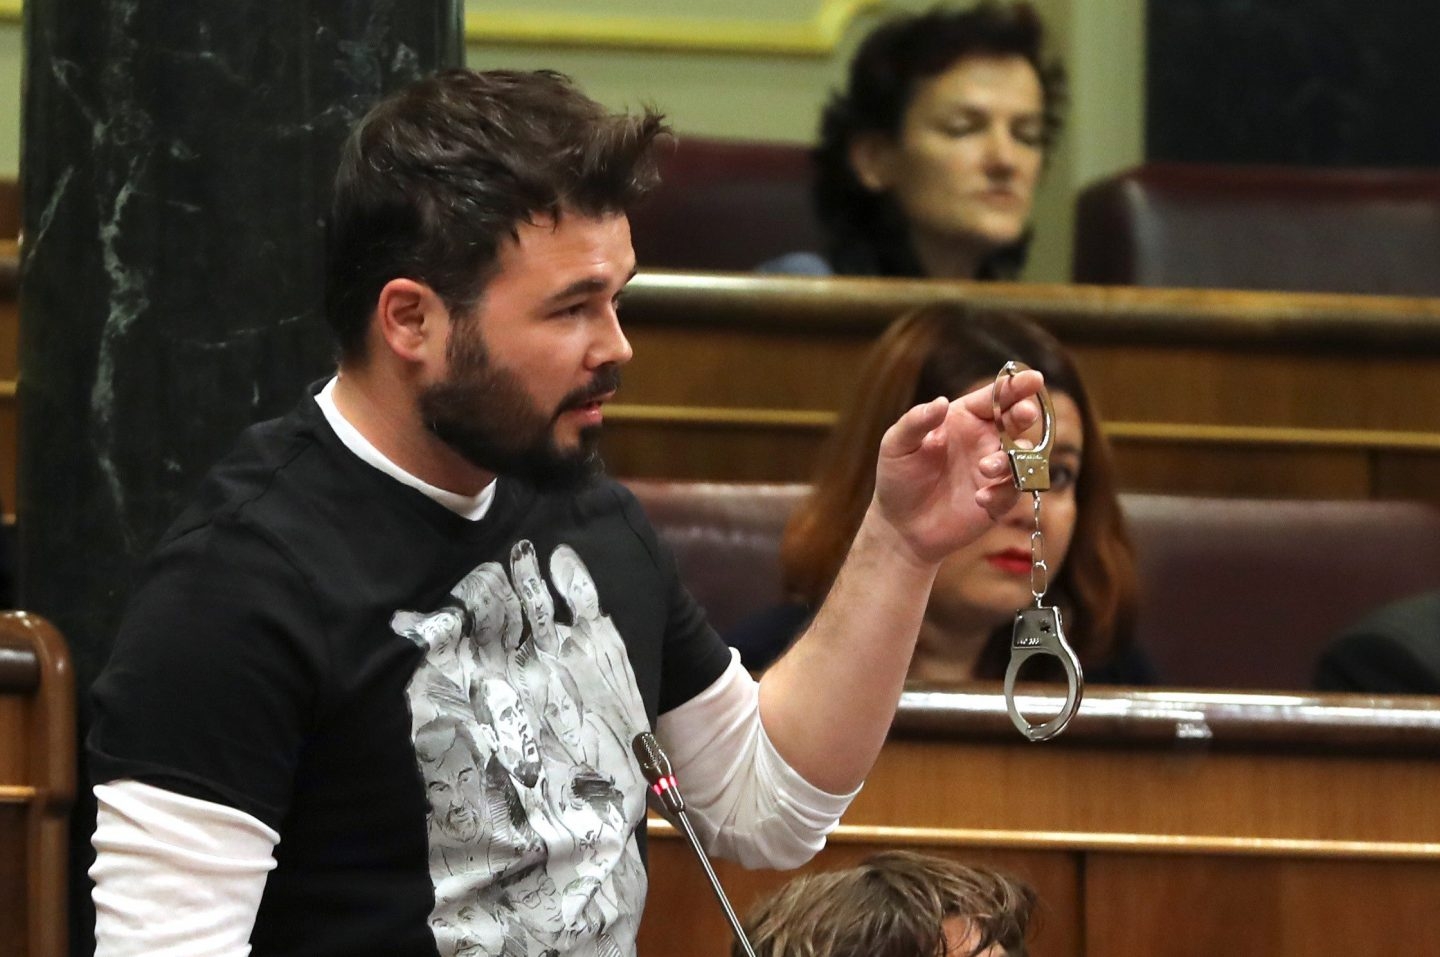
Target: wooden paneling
1371,387
1192,468
1244,907
1161,824
13,866
1138,794
15,717
738,377
741,451
1406,475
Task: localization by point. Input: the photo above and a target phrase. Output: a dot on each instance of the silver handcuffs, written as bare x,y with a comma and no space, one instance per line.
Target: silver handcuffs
1038,629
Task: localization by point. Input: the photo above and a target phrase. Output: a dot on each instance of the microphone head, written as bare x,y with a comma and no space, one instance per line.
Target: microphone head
653,762
657,770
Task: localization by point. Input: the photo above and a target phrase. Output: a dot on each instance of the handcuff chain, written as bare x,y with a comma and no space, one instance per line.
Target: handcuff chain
1039,571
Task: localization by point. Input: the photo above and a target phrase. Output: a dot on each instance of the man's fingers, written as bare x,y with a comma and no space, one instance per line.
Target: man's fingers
995,466
997,500
1014,389
909,432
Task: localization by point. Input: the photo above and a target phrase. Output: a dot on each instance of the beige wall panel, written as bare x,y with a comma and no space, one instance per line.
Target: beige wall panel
744,95
11,67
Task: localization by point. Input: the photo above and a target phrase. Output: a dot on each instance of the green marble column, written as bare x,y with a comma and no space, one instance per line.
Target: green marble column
175,168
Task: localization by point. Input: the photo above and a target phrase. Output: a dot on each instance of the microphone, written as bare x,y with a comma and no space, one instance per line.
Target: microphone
655,765
657,770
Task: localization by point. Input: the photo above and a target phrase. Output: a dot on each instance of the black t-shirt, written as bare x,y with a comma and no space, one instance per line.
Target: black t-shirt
434,713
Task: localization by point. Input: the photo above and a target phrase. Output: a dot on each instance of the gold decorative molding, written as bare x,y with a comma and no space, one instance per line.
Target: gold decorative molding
16,794
1116,842
1274,437
692,415
11,10
818,36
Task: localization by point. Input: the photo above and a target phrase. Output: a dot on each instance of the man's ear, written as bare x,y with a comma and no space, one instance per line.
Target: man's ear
872,157
413,321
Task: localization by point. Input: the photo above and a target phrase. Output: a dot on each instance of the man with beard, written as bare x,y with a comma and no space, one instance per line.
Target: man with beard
454,771
253,751
507,730
522,824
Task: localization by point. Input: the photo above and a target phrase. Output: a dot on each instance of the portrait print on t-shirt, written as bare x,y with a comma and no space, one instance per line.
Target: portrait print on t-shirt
521,726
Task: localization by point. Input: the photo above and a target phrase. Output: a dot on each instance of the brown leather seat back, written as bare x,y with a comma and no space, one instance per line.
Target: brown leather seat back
725,205
726,540
1256,227
1234,593
1238,593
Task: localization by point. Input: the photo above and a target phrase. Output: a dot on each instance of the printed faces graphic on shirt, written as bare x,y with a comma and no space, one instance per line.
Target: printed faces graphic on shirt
521,725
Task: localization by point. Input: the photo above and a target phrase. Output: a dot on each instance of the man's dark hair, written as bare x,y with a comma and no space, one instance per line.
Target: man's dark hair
435,178
866,233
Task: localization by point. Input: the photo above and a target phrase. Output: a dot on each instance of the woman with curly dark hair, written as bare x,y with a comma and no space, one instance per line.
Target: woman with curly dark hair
928,159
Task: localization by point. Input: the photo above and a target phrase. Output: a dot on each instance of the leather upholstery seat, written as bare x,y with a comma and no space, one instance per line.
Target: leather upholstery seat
1258,227
1234,593
726,205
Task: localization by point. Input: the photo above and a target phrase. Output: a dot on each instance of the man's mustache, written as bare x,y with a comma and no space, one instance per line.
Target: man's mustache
607,379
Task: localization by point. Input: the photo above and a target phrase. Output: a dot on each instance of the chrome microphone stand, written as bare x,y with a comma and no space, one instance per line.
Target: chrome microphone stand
657,770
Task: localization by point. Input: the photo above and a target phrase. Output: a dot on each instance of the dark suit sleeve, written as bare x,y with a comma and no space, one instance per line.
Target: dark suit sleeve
1394,651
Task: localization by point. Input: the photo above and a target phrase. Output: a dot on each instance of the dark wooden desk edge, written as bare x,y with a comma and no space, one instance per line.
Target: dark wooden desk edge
1098,314
1187,719
1130,315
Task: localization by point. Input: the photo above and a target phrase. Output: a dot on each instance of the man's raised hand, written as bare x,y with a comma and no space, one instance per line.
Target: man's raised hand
942,478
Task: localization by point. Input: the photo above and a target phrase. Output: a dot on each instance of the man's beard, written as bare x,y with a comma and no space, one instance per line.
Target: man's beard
461,825
527,773
483,412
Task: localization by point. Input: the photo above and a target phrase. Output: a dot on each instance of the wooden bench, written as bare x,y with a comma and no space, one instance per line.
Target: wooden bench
1164,823
1161,824
739,377
37,785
